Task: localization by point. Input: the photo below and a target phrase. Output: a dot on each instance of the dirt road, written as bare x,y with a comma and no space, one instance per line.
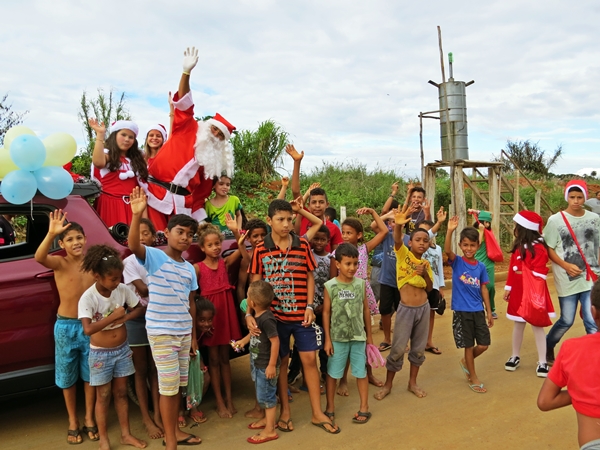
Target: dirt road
450,417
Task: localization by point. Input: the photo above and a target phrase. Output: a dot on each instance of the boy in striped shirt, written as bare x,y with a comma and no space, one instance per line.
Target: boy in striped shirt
171,311
286,262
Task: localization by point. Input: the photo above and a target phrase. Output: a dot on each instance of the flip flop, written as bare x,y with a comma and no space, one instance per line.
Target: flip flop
331,416
250,427
181,422
75,434
366,415
186,441
384,346
465,371
322,425
260,441
434,350
198,417
287,425
93,430
480,386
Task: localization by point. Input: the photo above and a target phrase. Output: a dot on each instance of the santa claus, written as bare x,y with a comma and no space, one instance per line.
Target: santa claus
181,176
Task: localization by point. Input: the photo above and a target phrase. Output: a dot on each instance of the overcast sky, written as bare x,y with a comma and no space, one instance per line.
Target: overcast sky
346,79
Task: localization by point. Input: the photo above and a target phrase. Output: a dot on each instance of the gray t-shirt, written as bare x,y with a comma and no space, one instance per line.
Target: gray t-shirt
321,275
260,346
594,205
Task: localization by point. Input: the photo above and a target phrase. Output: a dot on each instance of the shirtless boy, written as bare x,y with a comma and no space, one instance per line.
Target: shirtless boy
72,346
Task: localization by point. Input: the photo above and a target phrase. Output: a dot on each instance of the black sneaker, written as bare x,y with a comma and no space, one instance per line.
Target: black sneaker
512,363
293,377
542,370
550,356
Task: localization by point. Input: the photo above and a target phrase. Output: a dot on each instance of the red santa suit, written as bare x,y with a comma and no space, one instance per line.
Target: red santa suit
514,280
113,203
181,175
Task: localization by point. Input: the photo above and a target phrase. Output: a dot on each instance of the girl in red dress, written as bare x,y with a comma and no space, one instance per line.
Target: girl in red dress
119,166
529,254
214,285
155,139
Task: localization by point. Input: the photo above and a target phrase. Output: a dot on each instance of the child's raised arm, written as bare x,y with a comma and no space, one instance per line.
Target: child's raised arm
138,202
401,217
441,218
306,195
382,229
388,203
233,227
298,208
297,157
285,181
56,227
99,158
452,226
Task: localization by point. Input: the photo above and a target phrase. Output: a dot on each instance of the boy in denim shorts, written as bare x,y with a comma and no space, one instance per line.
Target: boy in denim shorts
286,262
264,357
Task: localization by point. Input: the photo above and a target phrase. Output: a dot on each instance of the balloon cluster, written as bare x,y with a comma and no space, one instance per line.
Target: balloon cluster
27,164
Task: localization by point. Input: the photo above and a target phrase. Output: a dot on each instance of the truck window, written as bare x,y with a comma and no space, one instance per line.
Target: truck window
28,230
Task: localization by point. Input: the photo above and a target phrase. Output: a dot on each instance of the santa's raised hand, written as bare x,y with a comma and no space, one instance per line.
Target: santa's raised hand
190,59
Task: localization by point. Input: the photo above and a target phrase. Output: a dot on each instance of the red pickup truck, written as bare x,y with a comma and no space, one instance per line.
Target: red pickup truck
28,296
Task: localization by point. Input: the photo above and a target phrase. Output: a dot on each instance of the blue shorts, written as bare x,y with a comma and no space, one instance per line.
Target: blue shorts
266,389
71,350
355,351
307,339
109,363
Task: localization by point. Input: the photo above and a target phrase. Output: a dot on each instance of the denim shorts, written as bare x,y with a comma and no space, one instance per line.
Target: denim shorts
266,389
109,363
71,350
307,339
353,351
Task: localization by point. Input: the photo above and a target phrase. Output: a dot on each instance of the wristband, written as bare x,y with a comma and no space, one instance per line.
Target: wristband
311,307
393,195
100,140
186,73
248,315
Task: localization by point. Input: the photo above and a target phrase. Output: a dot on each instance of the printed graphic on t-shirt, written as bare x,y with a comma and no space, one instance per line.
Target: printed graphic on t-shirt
585,234
321,274
282,282
470,280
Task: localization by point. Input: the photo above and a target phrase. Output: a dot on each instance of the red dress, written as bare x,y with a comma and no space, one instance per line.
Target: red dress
214,286
514,281
113,203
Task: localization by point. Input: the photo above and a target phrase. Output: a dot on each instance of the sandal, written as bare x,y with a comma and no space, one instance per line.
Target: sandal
181,422
434,350
76,434
384,346
331,416
366,415
198,417
93,430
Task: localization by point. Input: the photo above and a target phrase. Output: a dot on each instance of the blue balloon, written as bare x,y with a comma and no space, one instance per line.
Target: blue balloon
54,182
18,187
28,152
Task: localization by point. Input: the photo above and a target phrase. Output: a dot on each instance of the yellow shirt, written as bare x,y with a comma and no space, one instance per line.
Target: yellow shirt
406,264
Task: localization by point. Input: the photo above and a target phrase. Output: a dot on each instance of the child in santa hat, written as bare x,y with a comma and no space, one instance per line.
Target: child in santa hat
573,238
119,166
156,137
529,254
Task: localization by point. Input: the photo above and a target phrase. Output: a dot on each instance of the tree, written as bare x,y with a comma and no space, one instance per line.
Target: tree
8,117
257,154
530,158
107,108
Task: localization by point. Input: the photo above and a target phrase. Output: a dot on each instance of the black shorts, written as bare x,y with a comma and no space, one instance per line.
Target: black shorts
470,327
434,299
389,299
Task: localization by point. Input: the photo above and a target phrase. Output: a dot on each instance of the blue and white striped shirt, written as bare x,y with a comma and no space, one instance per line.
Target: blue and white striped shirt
169,284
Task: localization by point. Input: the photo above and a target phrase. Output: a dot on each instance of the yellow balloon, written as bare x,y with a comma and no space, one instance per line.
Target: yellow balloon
15,131
6,163
60,149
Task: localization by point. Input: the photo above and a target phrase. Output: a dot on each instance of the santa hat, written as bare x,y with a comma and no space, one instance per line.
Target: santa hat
124,125
160,128
221,123
580,184
529,220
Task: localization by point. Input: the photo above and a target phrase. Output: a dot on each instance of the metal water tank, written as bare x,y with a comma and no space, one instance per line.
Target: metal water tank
453,123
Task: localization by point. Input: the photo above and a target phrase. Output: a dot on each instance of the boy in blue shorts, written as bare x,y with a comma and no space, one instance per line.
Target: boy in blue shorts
72,346
469,296
171,312
346,319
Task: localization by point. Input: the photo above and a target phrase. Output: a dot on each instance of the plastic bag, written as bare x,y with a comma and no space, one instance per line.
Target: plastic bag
494,252
195,382
534,309
374,357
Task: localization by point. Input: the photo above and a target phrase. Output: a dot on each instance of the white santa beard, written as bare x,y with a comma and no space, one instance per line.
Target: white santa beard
214,155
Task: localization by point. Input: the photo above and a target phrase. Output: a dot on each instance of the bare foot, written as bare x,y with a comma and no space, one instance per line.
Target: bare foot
104,444
375,381
153,430
231,408
382,393
343,389
420,393
158,421
255,413
223,412
293,389
133,441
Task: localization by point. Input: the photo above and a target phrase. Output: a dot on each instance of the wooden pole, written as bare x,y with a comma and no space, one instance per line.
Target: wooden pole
445,94
421,143
494,198
516,194
538,201
430,186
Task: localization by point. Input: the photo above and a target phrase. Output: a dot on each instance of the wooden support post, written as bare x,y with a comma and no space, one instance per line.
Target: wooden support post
430,173
494,176
460,207
473,195
538,201
516,192
342,213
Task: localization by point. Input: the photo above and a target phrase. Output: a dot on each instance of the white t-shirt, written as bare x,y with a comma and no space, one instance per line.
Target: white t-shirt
594,205
135,271
93,305
434,256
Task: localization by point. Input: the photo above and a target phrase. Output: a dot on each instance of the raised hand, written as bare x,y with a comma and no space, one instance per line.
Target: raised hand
137,200
170,100
291,150
297,204
402,215
410,186
314,186
285,181
230,222
190,59
442,214
453,223
57,225
362,211
98,127
395,188
427,204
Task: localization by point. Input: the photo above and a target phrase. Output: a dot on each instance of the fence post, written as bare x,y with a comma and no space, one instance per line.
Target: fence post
538,201
342,213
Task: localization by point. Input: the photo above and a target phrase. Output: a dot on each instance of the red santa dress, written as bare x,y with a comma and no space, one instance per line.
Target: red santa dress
113,203
514,281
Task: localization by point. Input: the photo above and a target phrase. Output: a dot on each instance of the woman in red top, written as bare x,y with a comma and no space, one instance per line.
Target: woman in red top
155,139
119,166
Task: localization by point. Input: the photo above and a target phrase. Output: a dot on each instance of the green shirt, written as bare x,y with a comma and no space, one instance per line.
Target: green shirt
347,307
216,216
